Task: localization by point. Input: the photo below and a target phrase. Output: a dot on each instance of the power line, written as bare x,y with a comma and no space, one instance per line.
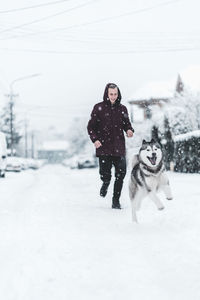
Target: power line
139,37
139,51
31,7
121,15
107,18
48,114
124,37
19,33
35,107
47,17
118,38
148,39
137,43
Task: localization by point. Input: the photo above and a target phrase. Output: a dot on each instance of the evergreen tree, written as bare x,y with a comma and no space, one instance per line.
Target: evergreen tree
167,143
155,134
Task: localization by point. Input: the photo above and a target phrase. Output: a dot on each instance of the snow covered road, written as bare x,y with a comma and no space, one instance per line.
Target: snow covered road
60,240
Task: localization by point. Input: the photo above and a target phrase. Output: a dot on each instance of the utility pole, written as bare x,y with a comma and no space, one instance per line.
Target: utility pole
11,114
32,144
11,124
11,96
26,137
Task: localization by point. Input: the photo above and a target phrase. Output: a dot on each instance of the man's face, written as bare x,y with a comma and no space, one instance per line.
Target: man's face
112,95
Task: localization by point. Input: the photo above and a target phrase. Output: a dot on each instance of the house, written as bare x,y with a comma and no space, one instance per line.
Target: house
53,151
154,94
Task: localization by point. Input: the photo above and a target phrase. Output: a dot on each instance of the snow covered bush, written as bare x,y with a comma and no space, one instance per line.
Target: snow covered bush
180,116
184,112
187,152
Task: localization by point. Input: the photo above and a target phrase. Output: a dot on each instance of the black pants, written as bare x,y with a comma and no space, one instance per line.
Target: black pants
105,166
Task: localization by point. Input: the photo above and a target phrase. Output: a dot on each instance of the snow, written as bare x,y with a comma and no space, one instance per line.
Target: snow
60,240
186,136
155,89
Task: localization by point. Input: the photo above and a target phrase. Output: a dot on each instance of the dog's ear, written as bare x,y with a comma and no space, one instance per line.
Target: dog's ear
153,141
144,142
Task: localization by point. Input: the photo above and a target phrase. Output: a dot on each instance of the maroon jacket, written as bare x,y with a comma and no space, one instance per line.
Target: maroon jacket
107,124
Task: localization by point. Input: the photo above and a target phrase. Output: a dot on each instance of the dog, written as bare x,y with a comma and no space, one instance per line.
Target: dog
148,176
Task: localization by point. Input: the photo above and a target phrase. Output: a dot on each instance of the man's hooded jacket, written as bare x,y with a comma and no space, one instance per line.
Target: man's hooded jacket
107,124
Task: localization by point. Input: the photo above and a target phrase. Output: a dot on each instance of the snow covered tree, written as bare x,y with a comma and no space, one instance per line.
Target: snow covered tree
167,143
183,119
77,136
164,137
155,133
184,113
9,126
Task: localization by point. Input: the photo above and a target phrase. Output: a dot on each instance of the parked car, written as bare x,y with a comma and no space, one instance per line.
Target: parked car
13,164
3,163
73,162
85,161
33,163
41,162
3,154
24,163
30,163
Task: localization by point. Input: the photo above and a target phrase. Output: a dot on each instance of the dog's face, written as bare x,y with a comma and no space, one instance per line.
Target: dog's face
150,153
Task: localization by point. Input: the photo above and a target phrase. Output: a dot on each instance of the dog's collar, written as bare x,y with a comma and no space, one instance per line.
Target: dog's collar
151,170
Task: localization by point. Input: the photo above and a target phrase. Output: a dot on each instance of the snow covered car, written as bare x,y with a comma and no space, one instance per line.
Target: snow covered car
24,163
73,162
86,162
13,164
3,163
33,163
41,162
3,154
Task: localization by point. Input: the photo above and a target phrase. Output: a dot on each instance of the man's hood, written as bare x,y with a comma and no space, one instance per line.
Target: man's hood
105,96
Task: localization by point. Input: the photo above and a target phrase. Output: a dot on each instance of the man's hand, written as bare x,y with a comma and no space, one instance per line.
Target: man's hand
97,144
129,133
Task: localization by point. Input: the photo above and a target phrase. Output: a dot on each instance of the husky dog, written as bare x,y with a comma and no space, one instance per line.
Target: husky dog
147,176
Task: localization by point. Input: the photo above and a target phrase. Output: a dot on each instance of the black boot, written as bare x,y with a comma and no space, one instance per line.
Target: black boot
115,203
104,189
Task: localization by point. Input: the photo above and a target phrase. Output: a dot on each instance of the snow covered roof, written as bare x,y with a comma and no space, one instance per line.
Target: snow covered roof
187,136
165,89
55,145
155,89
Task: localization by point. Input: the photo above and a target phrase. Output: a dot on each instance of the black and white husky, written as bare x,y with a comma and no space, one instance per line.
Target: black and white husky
148,176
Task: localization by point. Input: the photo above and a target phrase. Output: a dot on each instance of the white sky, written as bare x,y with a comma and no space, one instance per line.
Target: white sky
153,41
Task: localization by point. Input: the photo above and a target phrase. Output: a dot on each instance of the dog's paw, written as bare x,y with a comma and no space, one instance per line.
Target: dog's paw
161,208
169,198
